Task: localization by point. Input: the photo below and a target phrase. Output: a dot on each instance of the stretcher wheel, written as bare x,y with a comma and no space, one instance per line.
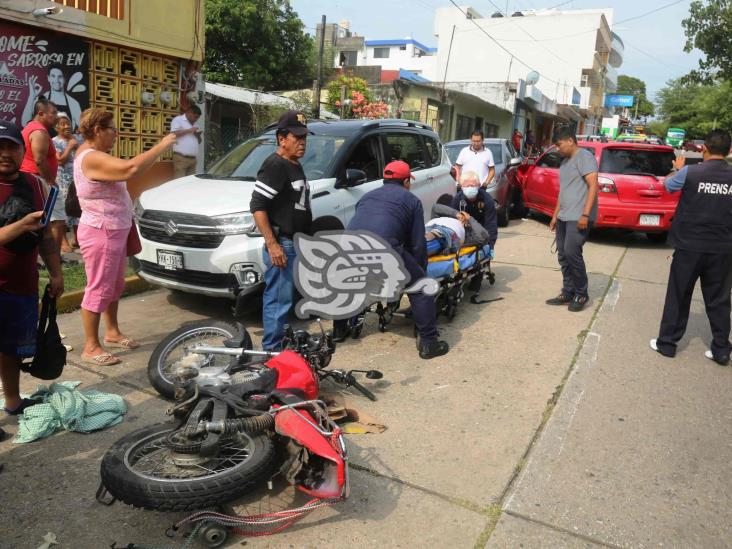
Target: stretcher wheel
356,330
382,325
451,311
492,278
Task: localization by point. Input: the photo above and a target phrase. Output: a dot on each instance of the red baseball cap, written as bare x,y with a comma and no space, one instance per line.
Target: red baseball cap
398,169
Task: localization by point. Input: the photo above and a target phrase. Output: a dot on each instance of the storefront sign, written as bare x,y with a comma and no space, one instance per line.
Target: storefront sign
35,62
619,100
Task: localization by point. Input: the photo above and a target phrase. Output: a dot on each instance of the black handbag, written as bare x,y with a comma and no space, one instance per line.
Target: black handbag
50,358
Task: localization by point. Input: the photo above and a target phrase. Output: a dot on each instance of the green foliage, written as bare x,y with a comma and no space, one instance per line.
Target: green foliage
697,108
352,83
709,29
658,127
629,85
257,44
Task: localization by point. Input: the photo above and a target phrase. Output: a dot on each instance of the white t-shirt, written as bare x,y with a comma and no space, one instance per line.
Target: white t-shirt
187,145
475,161
451,223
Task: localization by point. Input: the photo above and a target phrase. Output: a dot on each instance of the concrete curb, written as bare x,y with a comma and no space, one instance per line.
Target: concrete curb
72,300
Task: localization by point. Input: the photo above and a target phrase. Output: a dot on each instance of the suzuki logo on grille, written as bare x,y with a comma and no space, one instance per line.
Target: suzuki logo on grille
171,228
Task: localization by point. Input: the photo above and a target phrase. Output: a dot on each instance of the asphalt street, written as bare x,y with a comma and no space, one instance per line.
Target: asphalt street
541,427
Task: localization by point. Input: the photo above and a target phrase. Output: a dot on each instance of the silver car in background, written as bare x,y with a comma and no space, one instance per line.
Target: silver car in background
504,187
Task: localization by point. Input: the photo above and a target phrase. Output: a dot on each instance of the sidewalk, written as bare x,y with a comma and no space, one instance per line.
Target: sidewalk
637,453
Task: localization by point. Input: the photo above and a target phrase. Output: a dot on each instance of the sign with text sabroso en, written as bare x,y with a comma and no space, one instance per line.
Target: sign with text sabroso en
619,100
36,63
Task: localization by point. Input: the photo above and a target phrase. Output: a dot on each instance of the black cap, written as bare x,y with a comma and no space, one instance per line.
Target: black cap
293,122
10,131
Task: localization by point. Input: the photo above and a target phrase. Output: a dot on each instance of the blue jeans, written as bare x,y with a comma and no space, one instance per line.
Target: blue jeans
18,324
279,294
570,241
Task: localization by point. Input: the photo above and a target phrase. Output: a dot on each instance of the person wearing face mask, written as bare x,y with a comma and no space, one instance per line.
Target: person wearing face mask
474,200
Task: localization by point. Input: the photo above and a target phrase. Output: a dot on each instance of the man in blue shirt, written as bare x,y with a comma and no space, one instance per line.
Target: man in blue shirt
396,215
701,234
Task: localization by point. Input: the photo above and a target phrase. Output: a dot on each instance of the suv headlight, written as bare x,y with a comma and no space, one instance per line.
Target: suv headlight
237,223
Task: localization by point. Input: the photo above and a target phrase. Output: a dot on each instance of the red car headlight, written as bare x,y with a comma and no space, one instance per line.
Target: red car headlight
606,185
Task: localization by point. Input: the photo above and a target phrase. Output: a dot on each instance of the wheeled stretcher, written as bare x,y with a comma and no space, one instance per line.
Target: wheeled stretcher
452,271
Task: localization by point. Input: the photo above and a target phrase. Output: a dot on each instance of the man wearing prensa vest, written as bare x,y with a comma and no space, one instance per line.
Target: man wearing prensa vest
701,234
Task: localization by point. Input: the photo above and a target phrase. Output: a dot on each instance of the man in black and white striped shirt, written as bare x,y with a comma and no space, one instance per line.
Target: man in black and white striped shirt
281,208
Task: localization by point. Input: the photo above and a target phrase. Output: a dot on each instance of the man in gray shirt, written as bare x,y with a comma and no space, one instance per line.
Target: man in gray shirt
574,214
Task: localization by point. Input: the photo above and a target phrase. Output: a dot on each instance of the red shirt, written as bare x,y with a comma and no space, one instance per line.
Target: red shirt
29,164
517,141
19,272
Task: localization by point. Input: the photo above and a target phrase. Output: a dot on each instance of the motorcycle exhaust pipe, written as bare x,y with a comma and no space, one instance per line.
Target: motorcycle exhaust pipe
251,425
236,351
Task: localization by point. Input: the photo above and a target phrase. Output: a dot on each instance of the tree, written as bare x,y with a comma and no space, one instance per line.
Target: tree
709,29
629,85
257,44
695,107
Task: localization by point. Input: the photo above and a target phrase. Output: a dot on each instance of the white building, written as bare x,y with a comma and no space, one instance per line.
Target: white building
406,54
574,53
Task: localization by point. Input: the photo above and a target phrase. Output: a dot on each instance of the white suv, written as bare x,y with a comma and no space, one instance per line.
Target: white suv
197,232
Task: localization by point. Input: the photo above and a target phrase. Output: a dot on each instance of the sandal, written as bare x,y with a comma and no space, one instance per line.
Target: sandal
102,359
124,343
24,403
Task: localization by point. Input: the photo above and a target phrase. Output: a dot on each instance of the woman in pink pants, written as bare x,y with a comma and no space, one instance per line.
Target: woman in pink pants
106,220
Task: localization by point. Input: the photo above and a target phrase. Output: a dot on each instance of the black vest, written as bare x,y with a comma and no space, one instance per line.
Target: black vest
703,220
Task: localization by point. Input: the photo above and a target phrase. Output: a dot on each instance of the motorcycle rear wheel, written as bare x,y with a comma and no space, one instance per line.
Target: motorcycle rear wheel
139,469
170,349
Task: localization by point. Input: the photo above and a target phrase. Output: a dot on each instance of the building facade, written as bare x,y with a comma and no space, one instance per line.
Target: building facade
113,54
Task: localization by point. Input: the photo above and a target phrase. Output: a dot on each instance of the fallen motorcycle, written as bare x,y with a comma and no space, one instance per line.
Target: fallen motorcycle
237,425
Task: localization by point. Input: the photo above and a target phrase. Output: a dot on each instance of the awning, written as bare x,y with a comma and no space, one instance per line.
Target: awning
244,95
570,112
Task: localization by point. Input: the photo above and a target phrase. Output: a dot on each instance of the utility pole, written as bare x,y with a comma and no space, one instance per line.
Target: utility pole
319,79
637,100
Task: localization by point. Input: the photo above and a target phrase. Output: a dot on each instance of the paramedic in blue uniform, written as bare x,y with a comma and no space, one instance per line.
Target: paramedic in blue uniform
474,200
701,234
396,215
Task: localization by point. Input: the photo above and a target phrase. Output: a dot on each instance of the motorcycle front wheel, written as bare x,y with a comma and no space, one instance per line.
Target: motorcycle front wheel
172,348
142,470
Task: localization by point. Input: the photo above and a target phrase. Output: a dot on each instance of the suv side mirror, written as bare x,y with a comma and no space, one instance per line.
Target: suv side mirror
353,178
515,161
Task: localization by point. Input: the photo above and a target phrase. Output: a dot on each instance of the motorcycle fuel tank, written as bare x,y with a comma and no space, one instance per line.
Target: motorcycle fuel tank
293,372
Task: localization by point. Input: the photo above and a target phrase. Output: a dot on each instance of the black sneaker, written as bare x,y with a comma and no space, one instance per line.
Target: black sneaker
433,348
561,299
578,303
722,360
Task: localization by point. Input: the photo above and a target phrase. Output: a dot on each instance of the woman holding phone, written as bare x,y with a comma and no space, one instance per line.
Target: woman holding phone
104,227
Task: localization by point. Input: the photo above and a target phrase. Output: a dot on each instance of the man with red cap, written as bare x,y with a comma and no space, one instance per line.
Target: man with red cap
396,215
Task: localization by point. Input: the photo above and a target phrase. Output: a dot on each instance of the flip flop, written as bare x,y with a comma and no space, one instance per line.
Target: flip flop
102,359
24,403
125,343
69,348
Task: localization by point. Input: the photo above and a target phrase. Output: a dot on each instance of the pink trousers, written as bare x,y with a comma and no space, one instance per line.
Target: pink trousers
105,260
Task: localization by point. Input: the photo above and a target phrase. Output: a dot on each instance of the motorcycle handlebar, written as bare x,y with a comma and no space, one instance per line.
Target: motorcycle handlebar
363,390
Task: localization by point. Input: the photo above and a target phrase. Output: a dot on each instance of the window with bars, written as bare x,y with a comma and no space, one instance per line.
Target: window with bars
114,9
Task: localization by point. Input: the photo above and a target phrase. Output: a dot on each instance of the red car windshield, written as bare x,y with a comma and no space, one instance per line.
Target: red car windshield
636,161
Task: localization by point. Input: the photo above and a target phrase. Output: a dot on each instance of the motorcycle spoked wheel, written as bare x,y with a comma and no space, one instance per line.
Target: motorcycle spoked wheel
171,348
141,470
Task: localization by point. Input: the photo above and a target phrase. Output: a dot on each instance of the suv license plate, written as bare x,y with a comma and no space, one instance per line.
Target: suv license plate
171,261
646,219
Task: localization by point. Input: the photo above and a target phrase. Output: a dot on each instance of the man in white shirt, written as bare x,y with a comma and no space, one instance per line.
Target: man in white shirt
185,149
477,158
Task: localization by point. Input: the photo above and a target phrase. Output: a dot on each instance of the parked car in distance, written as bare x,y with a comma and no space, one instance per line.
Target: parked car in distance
693,145
504,188
198,235
631,192
596,138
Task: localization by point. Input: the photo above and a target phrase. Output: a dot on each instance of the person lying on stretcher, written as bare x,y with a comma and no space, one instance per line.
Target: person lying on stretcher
446,235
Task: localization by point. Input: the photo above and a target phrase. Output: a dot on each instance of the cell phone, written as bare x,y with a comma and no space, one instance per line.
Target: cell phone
48,206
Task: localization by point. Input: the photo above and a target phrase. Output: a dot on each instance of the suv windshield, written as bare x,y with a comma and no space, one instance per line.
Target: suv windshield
635,161
454,150
243,161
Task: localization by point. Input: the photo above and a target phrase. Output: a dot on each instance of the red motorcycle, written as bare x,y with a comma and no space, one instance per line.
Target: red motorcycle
231,437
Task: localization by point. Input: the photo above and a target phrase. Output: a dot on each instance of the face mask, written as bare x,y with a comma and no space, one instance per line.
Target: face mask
470,192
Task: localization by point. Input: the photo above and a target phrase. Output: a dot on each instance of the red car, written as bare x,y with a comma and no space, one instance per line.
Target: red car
631,192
